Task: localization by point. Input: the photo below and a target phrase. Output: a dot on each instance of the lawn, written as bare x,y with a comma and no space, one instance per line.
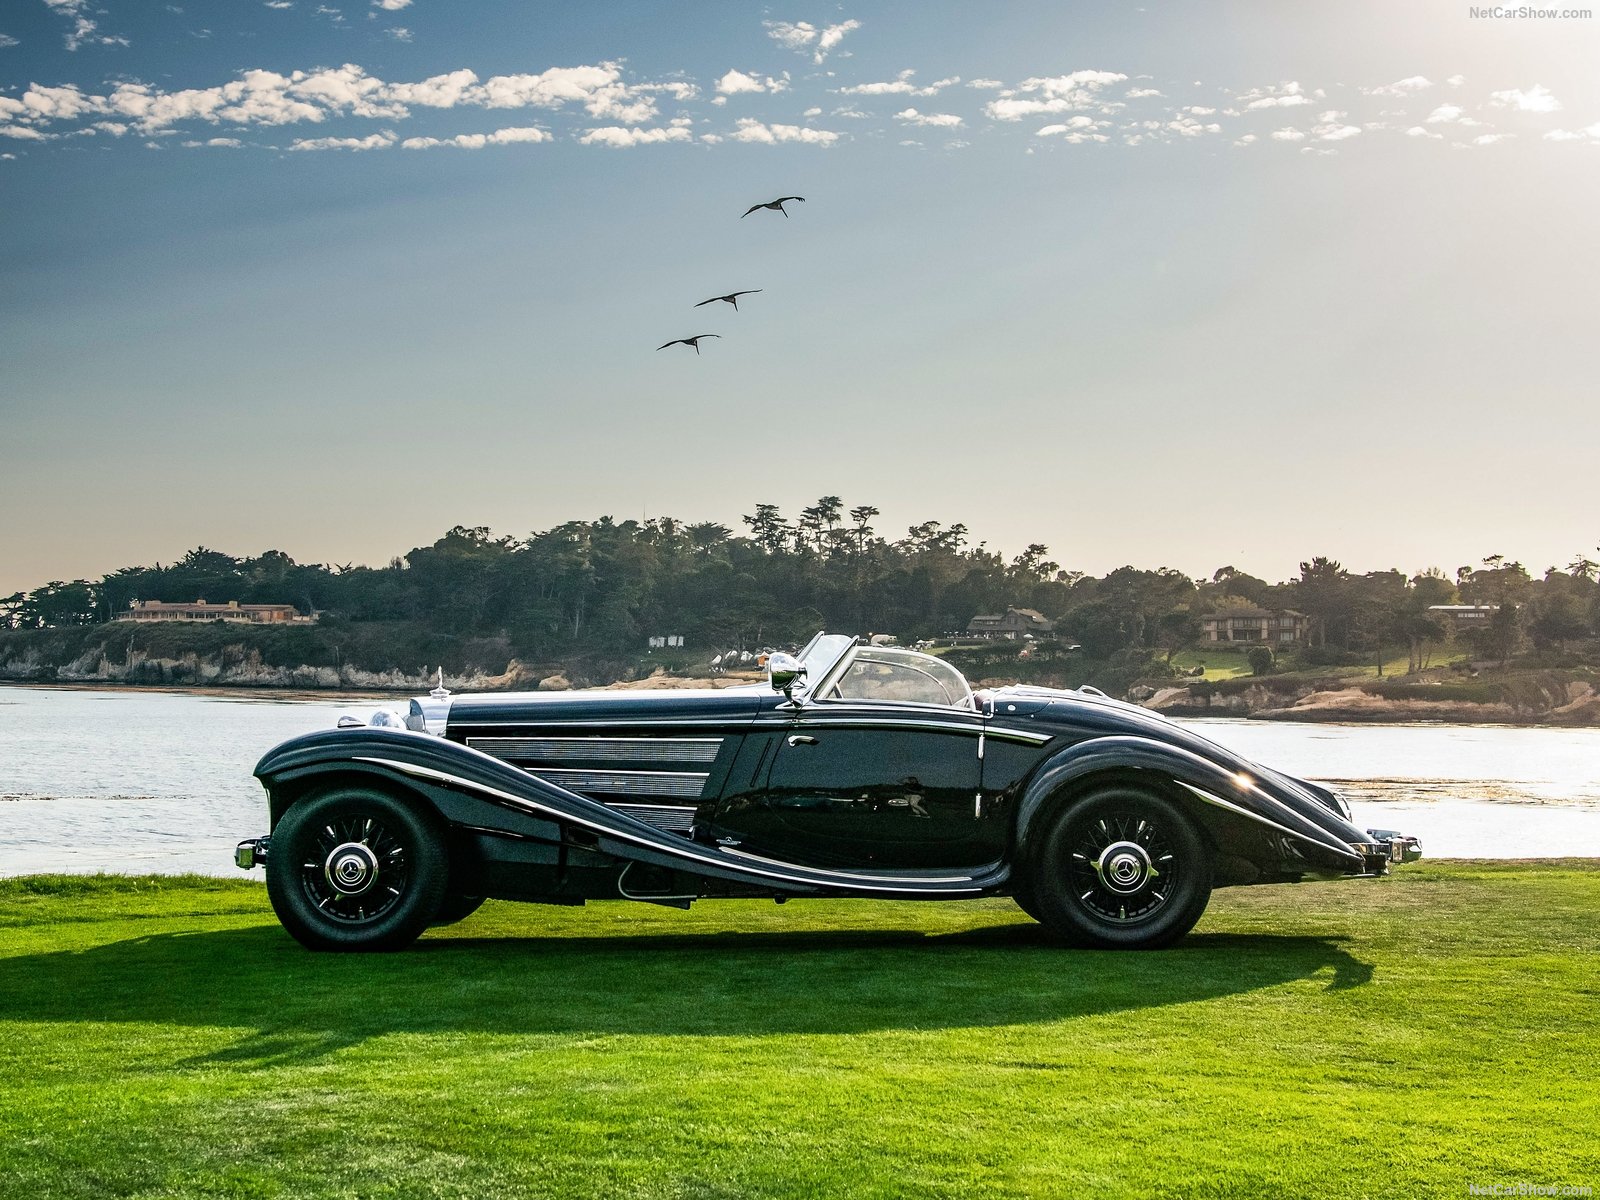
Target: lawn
1402,1037
1231,662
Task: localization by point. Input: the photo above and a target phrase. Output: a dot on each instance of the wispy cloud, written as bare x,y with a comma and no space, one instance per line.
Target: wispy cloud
749,129
1052,94
520,135
1283,95
620,138
376,141
806,38
1400,87
939,120
85,30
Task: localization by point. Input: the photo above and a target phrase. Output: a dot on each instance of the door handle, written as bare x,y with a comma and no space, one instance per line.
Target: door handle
802,739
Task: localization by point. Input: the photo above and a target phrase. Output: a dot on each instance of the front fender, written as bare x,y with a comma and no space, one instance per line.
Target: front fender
1220,796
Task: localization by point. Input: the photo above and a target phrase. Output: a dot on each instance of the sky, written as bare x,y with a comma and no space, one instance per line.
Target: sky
1186,285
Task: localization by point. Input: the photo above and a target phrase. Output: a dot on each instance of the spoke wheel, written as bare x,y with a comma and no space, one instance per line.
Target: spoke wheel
356,870
1121,867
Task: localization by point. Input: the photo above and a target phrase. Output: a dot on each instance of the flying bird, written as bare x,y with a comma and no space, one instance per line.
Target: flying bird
732,298
776,205
690,341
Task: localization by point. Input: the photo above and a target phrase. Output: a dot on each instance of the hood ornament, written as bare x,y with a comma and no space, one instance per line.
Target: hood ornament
440,692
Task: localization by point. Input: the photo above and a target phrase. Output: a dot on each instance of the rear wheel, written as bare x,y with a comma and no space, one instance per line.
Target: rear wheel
354,869
1121,868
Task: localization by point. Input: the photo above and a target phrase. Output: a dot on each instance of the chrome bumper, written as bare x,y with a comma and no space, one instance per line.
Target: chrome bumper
1388,847
251,852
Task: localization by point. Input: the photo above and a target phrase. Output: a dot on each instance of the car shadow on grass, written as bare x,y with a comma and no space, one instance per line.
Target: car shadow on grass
299,1006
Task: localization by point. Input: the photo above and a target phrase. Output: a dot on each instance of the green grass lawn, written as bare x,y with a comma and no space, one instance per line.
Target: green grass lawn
1401,1037
1229,661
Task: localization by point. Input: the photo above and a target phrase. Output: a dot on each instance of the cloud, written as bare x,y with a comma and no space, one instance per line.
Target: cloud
987,84
1246,140
7,41
376,141
1334,132
751,130
1076,130
620,138
1444,113
84,29
1400,87
737,82
900,85
391,5
1288,135
1141,93
1189,127
399,33
58,103
477,141
1284,95
1573,135
1456,80
22,133
225,143
805,38
1418,131
912,117
1536,99
1052,94
1489,139
280,3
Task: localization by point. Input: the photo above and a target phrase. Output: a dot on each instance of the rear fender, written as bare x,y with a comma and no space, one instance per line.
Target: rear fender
1224,802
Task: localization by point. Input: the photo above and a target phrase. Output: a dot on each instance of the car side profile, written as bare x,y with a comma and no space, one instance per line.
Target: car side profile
855,771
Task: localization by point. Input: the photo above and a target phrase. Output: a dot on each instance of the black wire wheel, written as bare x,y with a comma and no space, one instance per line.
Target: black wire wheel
1121,868
356,870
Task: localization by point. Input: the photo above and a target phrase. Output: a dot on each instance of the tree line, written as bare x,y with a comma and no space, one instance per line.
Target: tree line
603,587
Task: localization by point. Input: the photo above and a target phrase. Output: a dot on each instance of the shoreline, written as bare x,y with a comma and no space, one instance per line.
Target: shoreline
1375,711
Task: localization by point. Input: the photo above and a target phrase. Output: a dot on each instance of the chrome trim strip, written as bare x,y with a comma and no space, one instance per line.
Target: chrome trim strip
977,731
1240,810
633,749
687,851
845,874
689,784
732,721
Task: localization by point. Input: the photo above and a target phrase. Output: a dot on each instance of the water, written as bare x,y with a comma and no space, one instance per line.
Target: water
160,781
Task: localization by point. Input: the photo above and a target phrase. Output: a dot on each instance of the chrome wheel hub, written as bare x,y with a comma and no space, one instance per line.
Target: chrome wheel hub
1124,868
351,869
354,869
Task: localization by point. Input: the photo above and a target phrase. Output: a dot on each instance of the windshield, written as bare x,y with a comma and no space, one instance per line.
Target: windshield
823,651
889,673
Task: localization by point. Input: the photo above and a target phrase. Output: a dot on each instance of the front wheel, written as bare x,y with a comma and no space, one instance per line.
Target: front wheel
354,869
1122,868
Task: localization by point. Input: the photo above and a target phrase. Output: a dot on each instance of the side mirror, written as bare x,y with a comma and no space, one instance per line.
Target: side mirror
784,671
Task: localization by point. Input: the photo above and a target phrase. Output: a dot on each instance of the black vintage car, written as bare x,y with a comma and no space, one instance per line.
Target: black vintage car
857,770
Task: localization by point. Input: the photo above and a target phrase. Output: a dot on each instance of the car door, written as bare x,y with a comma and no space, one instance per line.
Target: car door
856,784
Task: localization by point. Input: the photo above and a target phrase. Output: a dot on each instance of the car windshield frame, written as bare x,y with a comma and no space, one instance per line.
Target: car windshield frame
891,655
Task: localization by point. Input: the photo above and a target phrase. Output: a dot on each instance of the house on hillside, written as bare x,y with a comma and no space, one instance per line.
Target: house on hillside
1280,628
242,614
1011,624
1465,616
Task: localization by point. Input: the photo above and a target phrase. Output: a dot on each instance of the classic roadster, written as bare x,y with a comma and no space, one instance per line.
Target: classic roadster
857,770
